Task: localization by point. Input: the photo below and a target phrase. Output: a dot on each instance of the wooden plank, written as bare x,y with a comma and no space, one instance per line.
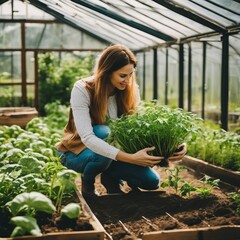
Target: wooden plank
223,233
201,166
93,219
179,234
212,233
83,235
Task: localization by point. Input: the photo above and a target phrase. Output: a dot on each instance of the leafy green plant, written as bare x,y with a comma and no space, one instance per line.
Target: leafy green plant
208,185
216,146
65,184
186,189
72,211
25,225
56,77
29,163
173,179
153,125
30,203
236,197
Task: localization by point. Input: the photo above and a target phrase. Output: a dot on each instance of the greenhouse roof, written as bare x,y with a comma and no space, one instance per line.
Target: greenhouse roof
138,24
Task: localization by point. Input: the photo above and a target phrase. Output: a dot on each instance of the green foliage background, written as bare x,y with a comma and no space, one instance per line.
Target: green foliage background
57,77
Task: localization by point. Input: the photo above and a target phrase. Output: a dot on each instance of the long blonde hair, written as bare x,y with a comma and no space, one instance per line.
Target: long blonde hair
112,59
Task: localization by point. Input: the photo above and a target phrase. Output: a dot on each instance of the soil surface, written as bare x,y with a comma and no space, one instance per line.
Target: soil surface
130,215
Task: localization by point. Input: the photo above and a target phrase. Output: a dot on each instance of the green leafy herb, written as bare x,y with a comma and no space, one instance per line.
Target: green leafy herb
160,126
30,203
72,210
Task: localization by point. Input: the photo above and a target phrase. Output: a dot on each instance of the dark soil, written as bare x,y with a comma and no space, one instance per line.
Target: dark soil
129,215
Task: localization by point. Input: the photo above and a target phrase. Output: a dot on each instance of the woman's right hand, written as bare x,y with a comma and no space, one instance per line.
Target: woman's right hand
140,158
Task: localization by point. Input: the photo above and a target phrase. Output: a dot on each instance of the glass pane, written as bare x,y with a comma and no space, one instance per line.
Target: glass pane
213,82
173,77
10,96
22,10
58,36
10,67
162,84
234,83
186,77
6,96
149,76
30,95
30,67
140,73
211,11
10,35
197,77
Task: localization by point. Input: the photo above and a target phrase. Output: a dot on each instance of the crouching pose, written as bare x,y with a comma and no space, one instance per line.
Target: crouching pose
111,92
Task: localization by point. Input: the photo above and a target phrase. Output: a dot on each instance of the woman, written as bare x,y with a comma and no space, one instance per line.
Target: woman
111,92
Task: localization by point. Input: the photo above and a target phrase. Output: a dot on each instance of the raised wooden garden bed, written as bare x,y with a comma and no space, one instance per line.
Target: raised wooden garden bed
201,166
210,233
17,115
97,232
164,215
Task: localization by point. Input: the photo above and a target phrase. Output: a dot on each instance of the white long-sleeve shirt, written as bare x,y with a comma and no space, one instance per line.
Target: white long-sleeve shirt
80,103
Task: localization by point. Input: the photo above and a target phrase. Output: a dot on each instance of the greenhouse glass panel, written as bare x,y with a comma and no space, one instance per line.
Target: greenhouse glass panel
10,67
10,96
186,77
197,59
149,76
10,35
162,76
213,81
140,74
17,95
177,18
6,96
101,25
153,15
57,36
30,95
30,67
234,82
22,10
34,34
211,9
173,77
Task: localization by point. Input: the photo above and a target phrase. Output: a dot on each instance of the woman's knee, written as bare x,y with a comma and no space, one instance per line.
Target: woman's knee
151,181
102,162
101,131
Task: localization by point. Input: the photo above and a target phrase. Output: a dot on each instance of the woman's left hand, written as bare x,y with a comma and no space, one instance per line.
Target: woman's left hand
179,153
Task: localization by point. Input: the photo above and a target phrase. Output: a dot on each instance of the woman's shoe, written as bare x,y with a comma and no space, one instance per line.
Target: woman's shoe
88,189
112,186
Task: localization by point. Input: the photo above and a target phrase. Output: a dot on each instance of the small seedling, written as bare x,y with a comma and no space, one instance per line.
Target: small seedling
236,197
208,185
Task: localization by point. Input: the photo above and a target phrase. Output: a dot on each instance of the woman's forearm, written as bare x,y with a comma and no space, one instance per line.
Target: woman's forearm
124,157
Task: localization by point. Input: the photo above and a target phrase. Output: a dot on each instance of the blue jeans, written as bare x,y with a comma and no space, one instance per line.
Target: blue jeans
91,164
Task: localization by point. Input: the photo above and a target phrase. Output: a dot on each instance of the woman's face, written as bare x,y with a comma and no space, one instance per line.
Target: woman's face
121,77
